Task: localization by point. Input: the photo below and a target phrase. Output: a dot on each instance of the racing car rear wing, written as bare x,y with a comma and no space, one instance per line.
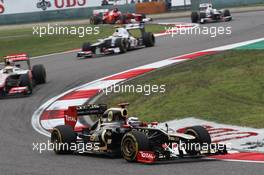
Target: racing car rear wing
100,11
17,57
140,25
73,112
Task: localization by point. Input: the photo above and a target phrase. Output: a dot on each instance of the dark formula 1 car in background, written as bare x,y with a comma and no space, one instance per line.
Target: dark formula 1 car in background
105,16
116,134
208,14
17,77
120,42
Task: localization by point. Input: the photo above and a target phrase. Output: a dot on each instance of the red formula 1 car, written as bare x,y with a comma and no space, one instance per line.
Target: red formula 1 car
116,134
104,16
17,77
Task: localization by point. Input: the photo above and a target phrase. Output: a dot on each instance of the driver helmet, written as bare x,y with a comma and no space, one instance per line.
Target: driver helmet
115,10
133,121
8,62
121,32
116,33
8,69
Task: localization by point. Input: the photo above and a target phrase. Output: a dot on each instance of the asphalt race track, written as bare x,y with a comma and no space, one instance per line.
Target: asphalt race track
65,71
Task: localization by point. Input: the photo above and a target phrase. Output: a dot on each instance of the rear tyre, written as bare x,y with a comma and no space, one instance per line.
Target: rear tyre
195,17
63,137
39,74
148,39
95,20
132,143
201,135
122,44
26,82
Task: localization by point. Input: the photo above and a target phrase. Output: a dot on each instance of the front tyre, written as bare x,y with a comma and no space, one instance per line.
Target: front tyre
227,15
39,74
132,143
202,137
62,137
26,82
122,44
195,17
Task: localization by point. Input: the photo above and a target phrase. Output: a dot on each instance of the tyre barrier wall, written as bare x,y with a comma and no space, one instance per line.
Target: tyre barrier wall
151,7
77,13
226,3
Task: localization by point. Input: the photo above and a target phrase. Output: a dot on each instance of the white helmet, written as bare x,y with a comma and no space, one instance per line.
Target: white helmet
133,121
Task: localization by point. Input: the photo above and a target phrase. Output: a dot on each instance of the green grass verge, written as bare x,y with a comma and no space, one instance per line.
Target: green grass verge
22,40
226,88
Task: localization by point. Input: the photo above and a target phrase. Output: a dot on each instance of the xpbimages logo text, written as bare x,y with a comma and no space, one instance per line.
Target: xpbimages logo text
144,89
74,147
79,31
211,31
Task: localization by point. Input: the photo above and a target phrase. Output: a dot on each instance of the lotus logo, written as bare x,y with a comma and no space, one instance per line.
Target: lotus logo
70,119
43,4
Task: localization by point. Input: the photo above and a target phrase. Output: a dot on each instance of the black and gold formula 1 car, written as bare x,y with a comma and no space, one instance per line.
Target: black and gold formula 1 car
116,134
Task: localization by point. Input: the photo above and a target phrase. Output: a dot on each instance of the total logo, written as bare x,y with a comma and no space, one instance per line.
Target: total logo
147,155
2,7
70,119
59,4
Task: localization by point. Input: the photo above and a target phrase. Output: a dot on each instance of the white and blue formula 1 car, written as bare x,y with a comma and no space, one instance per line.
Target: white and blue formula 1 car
120,42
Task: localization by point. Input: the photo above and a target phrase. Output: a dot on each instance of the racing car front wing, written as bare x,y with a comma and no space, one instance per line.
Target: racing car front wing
107,51
149,157
224,19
